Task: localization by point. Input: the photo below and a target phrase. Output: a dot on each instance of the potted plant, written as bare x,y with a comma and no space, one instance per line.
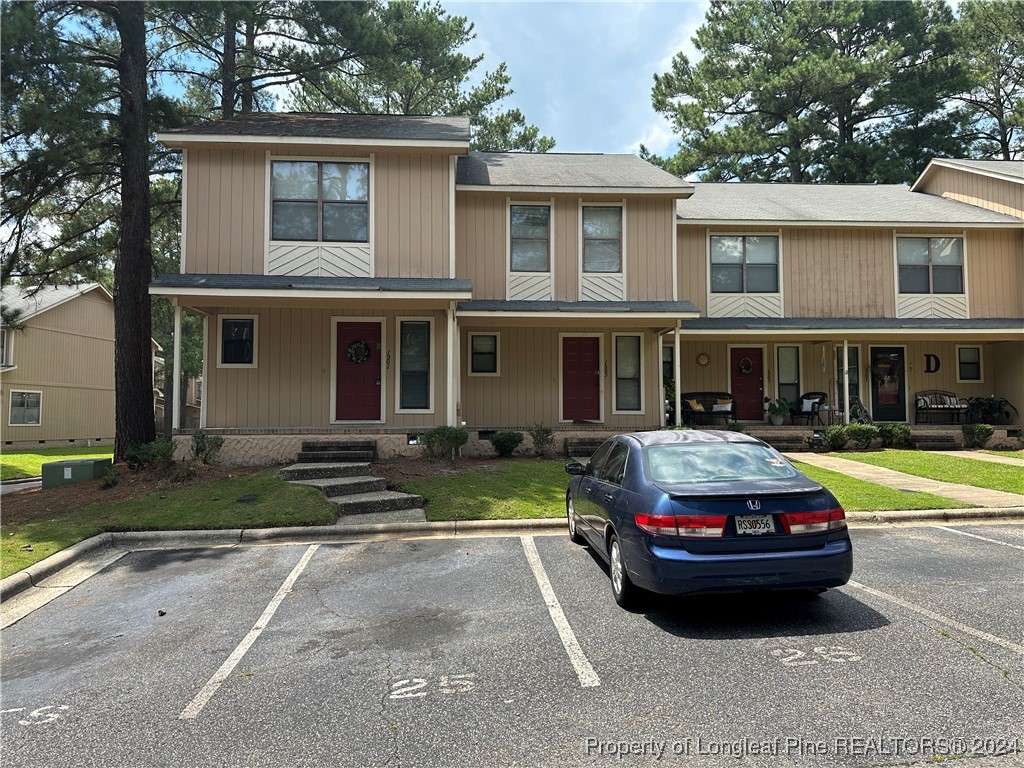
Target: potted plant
989,409
777,410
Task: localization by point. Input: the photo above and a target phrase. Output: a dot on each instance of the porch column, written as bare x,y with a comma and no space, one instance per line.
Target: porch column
675,374
206,358
453,366
176,423
846,381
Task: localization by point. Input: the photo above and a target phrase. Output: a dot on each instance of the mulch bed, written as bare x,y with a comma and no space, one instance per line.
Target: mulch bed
35,503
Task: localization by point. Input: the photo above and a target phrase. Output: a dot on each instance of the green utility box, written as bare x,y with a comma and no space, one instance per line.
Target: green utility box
74,471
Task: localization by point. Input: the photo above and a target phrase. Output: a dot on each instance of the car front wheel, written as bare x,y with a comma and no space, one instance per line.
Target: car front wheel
626,594
570,515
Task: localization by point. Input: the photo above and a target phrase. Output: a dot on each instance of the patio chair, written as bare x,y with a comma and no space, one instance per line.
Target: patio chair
807,407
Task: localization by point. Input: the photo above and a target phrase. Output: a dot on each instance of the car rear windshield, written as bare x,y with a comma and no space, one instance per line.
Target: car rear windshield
716,462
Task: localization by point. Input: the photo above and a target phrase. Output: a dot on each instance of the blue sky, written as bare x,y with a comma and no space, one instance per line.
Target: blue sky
582,71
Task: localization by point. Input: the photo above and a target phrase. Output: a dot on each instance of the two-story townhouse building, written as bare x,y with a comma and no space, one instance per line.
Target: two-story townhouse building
369,274
916,289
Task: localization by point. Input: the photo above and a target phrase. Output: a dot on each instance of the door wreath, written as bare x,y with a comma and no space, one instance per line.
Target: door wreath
746,365
358,351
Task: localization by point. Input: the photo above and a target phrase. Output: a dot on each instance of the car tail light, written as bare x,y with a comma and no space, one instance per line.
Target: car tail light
662,525
813,522
681,525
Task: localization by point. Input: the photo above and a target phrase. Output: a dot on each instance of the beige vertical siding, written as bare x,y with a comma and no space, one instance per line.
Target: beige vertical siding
527,391
1004,367
481,252
848,272
68,354
1001,196
226,205
291,387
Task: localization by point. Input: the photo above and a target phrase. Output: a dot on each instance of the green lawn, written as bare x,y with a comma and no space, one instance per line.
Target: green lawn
936,466
204,506
861,496
18,464
536,488
515,490
1010,454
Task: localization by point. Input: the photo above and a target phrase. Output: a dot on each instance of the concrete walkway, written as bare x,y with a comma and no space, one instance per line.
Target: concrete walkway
982,456
979,497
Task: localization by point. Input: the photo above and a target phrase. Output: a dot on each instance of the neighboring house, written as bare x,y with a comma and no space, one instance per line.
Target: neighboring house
367,274
57,380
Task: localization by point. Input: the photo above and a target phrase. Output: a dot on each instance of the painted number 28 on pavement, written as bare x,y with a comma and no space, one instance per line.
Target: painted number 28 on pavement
794,657
415,687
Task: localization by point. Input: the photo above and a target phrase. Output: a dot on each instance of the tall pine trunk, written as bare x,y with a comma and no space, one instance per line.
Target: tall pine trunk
133,358
229,68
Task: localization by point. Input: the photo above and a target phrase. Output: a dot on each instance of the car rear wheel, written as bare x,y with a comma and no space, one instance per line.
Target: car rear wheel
570,515
626,594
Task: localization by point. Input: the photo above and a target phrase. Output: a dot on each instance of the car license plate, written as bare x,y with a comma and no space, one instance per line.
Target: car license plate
754,525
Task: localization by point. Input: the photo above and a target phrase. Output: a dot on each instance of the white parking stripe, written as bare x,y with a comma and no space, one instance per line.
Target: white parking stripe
976,536
940,618
228,666
584,671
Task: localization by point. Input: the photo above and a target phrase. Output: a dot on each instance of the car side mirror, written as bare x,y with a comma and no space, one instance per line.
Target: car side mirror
574,468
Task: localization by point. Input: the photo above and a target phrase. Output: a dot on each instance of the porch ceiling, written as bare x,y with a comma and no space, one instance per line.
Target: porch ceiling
826,329
575,314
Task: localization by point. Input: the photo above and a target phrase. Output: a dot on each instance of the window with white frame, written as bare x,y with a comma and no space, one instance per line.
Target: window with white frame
602,238
968,361
627,373
320,201
530,233
929,265
744,264
414,365
26,409
238,342
5,348
483,354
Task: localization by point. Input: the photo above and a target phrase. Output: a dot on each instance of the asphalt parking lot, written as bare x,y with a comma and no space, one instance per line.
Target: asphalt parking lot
511,651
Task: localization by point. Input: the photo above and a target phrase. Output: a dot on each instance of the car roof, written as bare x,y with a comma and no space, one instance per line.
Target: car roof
689,436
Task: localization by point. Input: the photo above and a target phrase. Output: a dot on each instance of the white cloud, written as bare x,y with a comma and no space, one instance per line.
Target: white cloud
657,137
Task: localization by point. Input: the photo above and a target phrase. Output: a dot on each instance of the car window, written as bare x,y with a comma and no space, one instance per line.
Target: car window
615,467
598,459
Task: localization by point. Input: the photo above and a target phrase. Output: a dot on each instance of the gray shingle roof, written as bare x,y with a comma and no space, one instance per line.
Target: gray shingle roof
335,126
288,282
512,169
30,302
601,307
865,323
737,203
1010,169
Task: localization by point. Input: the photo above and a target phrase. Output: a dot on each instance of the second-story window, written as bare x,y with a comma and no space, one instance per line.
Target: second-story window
602,238
930,264
320,201
530,228
744,264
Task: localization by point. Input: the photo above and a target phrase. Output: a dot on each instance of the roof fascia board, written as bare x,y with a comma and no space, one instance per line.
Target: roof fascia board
833,332
284,293
965,169
585,315
678,192
172,140
849,224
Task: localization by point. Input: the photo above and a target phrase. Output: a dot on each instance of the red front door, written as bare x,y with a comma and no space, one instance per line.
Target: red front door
747,366
581,378
359,372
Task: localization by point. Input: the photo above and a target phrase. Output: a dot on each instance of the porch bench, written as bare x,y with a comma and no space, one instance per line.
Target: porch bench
710,407
930,402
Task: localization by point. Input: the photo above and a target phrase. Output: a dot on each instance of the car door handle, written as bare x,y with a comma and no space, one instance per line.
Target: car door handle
608,497
589,491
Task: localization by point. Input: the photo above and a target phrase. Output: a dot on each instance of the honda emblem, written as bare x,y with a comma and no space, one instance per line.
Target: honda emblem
753,505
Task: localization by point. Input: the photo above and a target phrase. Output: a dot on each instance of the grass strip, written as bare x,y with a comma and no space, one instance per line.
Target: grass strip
949,469
18,464
205,506
861,496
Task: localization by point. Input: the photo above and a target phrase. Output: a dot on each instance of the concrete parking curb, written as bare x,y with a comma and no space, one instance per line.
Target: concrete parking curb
32,575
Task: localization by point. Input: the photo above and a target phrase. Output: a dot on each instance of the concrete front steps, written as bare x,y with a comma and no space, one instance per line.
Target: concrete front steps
351,487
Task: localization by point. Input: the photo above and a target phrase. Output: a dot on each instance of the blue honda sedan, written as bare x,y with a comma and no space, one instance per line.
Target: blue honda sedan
681,512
